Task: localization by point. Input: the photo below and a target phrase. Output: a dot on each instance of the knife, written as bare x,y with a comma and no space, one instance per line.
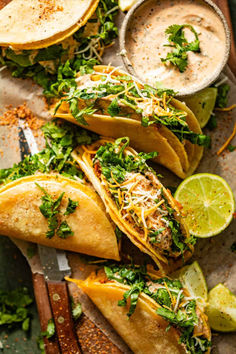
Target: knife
51,292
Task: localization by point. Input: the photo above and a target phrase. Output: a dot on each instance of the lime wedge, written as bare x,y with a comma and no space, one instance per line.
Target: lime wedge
125,5
194,281
202,104
208,204
221,309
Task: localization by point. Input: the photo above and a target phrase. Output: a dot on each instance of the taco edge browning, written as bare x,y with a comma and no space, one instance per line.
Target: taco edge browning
113,98
43,23
151,313
136,200
57,212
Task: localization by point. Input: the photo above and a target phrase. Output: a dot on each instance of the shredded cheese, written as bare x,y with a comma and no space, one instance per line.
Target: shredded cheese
224,146
226,109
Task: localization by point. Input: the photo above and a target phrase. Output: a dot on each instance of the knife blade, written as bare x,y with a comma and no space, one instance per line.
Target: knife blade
55,267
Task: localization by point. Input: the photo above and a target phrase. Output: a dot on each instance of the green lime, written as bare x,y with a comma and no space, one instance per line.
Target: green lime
202,104
193,279
208,204
125,5
221,309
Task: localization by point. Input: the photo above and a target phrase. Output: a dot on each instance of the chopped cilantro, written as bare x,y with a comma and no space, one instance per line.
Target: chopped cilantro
50,331
222,96
76,310
115,164
231,148
72,205
162,291
178,57
14,308
64,230
61,138
114,108
50,209
175,120
212,123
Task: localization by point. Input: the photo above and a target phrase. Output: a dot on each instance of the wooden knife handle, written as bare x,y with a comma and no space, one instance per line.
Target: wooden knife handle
224,6
60,304
44,311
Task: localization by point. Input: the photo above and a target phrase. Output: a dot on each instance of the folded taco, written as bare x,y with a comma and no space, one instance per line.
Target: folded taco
57,212
49,41
37,24
110,100
162,316
136,200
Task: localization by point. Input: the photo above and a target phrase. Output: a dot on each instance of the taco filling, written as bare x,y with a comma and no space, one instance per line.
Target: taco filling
172,301
135,198
119,95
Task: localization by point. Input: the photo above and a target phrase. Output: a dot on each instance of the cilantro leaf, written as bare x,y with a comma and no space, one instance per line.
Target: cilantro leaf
178,57
50,331
222,96
76,310
72,205
114,108
64,230
61,138
14,308
115,164
231,148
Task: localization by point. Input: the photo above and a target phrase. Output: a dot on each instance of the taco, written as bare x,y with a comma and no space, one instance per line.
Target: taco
162,316
111,100
136,200
76,33
38,24
57,212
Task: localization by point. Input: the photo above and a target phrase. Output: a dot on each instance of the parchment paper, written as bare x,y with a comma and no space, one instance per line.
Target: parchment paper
214,255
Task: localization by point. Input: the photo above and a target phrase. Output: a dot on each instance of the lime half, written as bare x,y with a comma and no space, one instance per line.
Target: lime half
208,204
202,104
194,281
125,5
221,309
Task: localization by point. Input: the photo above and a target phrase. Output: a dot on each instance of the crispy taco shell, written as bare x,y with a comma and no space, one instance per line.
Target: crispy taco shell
35,24
144,331
20,215
166,264
182,158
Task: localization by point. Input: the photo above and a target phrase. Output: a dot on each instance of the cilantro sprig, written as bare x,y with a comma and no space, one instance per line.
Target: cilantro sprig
163,291
14,308
178,57
50,209
61,138
115,163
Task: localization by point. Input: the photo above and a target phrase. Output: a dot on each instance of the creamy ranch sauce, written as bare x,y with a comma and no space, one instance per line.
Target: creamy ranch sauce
146,37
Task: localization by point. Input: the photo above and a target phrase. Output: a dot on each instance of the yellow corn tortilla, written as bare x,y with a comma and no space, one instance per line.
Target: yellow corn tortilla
144,331
35,24
165,264
142,138
182,158
20,215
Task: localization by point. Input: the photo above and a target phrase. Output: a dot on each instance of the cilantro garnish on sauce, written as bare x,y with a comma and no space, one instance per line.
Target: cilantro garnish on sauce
178,57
